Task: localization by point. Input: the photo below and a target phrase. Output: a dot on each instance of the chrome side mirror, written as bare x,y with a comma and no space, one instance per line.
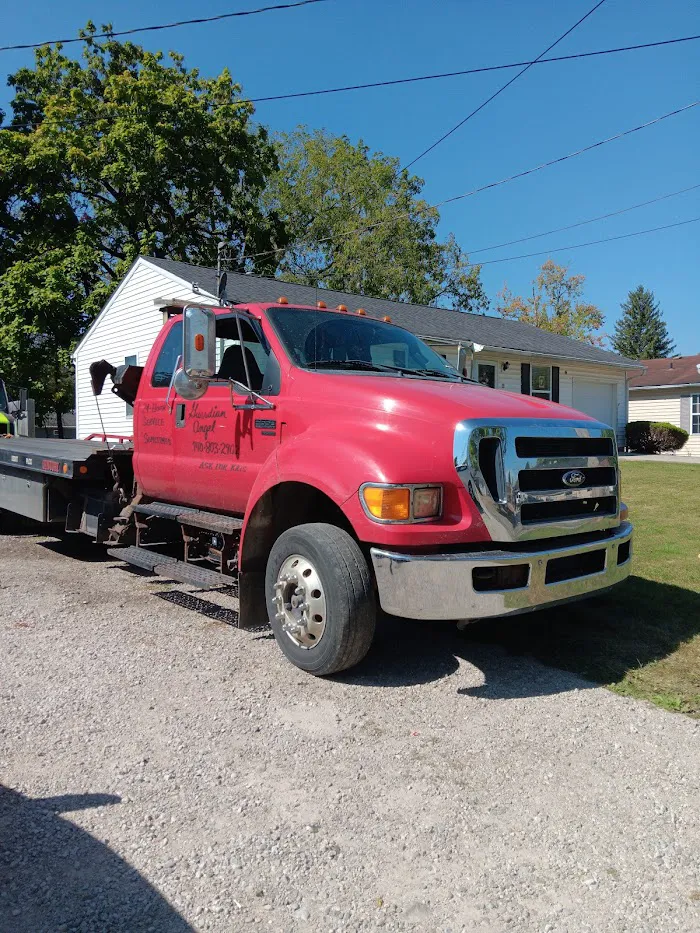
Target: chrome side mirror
199,344
188,388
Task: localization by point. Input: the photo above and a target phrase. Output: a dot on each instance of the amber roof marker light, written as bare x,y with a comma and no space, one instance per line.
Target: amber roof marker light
342,308
321,304
282,300
361,311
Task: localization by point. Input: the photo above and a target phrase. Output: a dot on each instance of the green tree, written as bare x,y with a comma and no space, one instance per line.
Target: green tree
640,332
556,305
119,153
356,223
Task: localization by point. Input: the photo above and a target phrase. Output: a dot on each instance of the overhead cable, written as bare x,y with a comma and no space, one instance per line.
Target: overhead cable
582,223
500,90
157,28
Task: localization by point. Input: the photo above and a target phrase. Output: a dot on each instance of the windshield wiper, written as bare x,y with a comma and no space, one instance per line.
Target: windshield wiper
385,368
353,364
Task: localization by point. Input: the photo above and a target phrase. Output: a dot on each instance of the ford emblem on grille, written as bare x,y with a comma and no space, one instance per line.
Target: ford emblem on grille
574,478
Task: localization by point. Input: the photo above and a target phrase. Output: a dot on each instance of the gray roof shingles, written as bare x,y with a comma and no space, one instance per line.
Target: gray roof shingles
420,319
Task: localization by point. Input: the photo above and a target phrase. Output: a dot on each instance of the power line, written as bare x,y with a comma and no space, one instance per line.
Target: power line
494,184
609,239
582,223
467,71
412,80
183,22
501,89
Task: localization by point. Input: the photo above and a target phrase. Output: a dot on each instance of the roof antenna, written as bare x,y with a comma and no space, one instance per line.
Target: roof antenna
221,277
221,291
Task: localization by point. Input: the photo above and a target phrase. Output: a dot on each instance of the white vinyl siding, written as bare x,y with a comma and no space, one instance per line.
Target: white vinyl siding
665,405
127,327
695,414
509,378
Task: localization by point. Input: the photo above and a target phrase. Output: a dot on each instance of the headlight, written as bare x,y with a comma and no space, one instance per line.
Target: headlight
401,503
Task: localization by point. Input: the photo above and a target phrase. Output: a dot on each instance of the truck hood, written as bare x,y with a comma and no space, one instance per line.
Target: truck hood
433,400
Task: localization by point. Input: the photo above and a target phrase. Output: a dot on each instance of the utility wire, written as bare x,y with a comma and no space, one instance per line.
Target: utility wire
413,80
494,184
501,89
183,22
609,239
468,71
582,223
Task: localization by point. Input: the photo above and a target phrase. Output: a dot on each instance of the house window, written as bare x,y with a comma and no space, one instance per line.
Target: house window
541,382
486,374
130,361
695,415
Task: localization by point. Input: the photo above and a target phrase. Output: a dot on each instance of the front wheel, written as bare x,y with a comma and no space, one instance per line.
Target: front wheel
320,598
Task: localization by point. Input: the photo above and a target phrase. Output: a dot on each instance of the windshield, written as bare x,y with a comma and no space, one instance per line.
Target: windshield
325,340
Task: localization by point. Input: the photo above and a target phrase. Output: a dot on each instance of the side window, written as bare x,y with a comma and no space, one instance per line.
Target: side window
231,360
130,361
167,358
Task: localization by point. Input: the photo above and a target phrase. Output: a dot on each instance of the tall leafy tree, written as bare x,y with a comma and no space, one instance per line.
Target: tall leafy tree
640,332
357,223
555,304
119,153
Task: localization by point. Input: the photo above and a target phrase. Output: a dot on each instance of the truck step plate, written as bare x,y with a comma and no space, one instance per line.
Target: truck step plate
209,521
178,570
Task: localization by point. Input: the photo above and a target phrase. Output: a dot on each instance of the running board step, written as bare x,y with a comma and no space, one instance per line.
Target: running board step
209,521
170,567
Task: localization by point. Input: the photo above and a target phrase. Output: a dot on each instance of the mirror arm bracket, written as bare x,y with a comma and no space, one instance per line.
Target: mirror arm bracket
178,364
253,401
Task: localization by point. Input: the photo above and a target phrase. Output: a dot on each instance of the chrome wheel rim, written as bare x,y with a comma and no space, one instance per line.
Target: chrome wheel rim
300,601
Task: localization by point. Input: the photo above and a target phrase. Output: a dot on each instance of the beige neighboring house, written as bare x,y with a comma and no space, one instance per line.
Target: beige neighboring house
669,391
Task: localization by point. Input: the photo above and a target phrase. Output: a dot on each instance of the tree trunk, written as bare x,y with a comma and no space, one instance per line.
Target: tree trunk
59,423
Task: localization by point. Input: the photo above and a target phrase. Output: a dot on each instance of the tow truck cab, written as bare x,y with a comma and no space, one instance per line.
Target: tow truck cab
455,500
322,465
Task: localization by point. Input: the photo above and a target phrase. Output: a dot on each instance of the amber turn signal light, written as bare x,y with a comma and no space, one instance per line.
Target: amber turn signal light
388,505
199,342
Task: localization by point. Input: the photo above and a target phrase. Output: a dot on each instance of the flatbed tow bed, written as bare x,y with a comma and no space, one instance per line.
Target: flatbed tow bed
53,456
57,481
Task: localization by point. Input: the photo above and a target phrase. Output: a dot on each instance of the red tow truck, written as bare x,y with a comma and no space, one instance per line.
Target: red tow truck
321,464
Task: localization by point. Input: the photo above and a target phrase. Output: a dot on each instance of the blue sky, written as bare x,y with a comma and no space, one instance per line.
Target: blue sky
551,110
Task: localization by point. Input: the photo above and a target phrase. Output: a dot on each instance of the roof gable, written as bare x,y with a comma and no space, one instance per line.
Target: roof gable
427,321
676,371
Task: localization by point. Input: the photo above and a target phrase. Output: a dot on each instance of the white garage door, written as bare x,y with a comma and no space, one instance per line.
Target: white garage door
596,399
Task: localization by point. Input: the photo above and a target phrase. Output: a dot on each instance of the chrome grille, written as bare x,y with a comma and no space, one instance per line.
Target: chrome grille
516,472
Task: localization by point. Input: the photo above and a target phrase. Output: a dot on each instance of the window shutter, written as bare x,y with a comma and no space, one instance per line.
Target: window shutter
685,413
555,383
524,378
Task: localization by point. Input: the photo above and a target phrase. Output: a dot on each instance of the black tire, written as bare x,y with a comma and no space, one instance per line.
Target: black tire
350,603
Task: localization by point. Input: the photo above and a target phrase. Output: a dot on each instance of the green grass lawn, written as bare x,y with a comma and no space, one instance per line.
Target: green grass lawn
643,639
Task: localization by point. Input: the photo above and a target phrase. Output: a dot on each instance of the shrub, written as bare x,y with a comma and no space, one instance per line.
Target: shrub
652,437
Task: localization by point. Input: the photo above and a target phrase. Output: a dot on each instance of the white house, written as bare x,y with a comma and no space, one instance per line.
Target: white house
504,354
669,391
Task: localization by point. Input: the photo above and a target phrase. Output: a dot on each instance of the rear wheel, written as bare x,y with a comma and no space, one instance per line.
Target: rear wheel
320,598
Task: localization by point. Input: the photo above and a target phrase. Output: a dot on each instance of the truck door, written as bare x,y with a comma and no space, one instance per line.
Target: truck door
154,443
219,450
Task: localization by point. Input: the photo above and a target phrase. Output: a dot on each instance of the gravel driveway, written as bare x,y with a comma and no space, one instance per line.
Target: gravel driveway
163,771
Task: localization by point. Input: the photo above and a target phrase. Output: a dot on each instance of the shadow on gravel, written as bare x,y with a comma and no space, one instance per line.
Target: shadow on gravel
407,653
56,876
602,639
77,547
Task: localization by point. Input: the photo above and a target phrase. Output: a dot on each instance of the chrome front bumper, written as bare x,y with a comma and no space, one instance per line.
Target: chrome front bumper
441,586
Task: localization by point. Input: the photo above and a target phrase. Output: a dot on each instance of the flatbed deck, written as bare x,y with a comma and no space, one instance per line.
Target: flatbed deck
54,456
